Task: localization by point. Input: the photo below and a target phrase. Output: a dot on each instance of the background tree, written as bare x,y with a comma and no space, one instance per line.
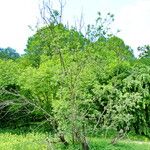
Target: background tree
8,53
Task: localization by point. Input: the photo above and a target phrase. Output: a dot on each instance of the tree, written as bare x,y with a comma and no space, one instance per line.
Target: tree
144,56
8,53
49,39
79,84
144,51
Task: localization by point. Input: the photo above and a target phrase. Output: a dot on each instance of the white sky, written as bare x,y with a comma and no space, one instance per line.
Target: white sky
132,17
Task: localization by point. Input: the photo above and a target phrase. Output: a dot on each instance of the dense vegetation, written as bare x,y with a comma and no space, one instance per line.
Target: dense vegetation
75,85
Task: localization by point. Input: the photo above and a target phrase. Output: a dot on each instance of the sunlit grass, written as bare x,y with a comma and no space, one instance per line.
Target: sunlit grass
30,141
39,141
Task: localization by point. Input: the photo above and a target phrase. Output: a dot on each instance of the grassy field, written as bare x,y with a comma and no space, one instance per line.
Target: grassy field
39,141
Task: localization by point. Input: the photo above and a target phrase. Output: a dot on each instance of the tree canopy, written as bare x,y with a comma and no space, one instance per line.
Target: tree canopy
8,53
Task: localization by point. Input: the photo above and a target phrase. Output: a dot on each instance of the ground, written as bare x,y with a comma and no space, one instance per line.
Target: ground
41,141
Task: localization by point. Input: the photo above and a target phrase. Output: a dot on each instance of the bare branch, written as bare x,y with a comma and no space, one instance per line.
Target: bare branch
62,5
81,22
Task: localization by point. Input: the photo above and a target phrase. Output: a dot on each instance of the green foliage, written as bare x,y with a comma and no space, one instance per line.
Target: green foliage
101,29
77,85
8,53
48,40
9,71
144,51
138,82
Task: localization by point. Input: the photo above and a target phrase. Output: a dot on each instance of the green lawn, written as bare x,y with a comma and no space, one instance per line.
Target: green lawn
40,141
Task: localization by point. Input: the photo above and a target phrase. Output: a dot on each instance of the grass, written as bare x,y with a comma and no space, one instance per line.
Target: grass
30,141
14,140
104,144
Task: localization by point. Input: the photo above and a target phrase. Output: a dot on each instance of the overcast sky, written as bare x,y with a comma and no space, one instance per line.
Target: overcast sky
132,17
